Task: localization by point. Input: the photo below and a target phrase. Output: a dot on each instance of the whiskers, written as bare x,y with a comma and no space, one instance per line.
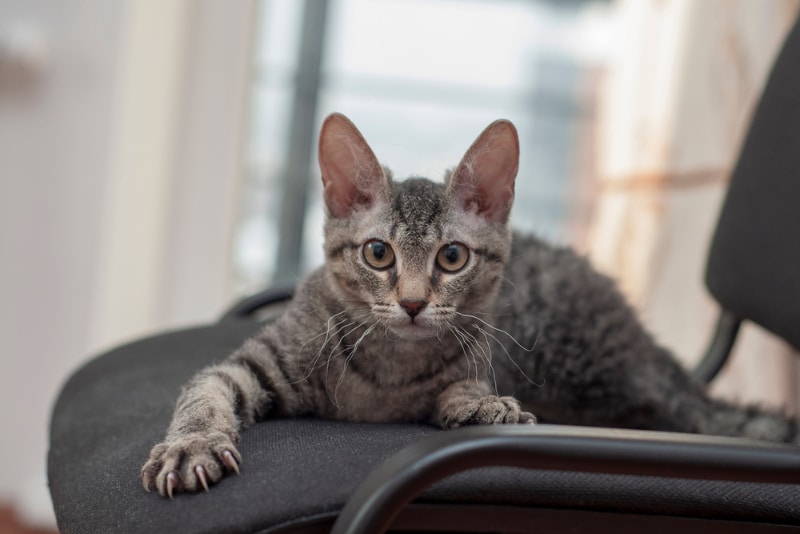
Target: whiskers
474,352
339,328
329,354
475,347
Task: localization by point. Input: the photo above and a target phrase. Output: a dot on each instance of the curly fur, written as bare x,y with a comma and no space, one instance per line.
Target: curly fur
516,327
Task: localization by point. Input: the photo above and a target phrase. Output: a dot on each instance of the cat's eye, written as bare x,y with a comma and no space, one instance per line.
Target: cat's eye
452,257
378,255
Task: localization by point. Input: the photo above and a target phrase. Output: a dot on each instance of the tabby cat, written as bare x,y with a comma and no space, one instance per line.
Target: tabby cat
429,309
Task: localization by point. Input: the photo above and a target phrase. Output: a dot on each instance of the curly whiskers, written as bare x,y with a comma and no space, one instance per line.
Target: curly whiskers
474,353
351,349
487,334
337,328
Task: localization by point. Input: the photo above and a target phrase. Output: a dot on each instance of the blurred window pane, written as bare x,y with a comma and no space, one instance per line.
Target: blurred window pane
421,79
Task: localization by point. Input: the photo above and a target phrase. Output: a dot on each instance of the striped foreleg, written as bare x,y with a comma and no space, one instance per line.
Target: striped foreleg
219,401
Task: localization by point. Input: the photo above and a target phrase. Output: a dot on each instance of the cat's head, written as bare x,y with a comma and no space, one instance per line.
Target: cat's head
416,255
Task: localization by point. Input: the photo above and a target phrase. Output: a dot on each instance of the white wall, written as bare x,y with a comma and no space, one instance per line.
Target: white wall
54,143
119,167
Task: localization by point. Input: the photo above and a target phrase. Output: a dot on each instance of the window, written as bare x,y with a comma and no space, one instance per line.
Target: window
420,79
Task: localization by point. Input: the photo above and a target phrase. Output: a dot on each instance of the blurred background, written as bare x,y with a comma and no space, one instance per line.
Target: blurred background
157,160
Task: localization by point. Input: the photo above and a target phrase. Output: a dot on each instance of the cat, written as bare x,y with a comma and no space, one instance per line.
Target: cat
429,309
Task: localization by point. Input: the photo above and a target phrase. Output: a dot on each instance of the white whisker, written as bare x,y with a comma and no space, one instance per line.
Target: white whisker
487,355
353,350
510,358
512,338
457,335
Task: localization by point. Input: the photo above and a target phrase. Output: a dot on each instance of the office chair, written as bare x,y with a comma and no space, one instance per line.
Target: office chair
309,475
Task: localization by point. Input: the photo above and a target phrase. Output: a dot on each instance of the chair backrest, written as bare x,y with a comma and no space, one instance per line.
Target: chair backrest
753,268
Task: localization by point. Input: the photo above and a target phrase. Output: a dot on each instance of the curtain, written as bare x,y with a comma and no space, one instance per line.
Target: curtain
675,106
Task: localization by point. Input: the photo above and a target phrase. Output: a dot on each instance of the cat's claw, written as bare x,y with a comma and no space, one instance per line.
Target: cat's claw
147,481
200,473
191,463
173,483
230,461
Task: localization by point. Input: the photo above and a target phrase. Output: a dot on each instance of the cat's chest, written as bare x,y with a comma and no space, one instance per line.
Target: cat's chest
386,383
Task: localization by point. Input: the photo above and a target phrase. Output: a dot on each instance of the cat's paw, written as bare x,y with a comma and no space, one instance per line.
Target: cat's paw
489,410
191,463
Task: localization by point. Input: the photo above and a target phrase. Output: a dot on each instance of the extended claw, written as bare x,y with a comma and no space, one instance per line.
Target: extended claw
230,461
200,471
173,482
147,480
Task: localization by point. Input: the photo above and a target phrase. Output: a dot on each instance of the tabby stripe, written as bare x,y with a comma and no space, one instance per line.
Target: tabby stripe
264,381
398,208
363,373
345,281
239,408
341,248
280,360
369,374
425,376
436,280
489,255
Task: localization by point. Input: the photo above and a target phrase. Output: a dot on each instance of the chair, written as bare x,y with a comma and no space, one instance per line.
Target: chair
308,475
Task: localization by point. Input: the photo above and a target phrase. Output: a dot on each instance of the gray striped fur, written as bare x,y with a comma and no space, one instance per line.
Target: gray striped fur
521,320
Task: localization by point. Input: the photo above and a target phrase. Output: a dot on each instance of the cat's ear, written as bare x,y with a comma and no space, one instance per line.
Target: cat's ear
484,180
352,177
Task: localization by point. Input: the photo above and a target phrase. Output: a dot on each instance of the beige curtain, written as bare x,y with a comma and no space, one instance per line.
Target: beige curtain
673,112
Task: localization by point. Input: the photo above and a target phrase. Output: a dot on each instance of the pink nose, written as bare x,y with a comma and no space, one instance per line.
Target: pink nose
413,307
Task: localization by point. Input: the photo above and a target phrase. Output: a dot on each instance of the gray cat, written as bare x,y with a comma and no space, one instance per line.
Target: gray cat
429,309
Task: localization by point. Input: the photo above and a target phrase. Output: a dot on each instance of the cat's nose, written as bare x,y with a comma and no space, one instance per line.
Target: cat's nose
413,307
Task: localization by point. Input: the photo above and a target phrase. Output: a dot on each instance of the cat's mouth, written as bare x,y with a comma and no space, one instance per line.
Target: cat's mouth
414,329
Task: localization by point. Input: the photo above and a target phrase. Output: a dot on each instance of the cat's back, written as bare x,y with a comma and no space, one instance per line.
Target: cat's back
543,276
551,289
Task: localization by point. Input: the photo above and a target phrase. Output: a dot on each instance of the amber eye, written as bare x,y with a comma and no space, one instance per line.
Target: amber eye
452,257
378,255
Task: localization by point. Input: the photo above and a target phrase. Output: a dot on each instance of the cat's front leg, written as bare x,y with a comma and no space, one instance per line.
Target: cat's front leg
200,445
471,402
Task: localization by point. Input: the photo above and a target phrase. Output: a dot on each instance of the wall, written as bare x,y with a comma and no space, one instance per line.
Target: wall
119,166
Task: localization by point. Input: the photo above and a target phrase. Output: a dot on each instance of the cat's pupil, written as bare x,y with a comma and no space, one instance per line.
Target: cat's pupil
452,254
379,251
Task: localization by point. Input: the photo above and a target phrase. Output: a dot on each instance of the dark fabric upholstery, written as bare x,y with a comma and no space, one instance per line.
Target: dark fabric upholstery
115,408
755,256
112,411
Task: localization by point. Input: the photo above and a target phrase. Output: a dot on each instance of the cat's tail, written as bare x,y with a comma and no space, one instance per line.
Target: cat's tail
752,422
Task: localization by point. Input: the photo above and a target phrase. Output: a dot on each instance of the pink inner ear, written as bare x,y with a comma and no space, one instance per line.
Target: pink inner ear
484,180
342,199
351,174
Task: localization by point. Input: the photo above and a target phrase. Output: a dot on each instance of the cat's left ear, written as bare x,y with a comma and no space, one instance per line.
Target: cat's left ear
484,180
352,177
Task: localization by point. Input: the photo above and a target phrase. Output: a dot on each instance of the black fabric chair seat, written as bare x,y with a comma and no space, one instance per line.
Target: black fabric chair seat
298,474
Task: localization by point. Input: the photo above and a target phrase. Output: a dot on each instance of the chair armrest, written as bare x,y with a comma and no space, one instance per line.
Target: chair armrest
402,477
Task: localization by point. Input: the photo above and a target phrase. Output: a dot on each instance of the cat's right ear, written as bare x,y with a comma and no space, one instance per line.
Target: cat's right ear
484,180
352,177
